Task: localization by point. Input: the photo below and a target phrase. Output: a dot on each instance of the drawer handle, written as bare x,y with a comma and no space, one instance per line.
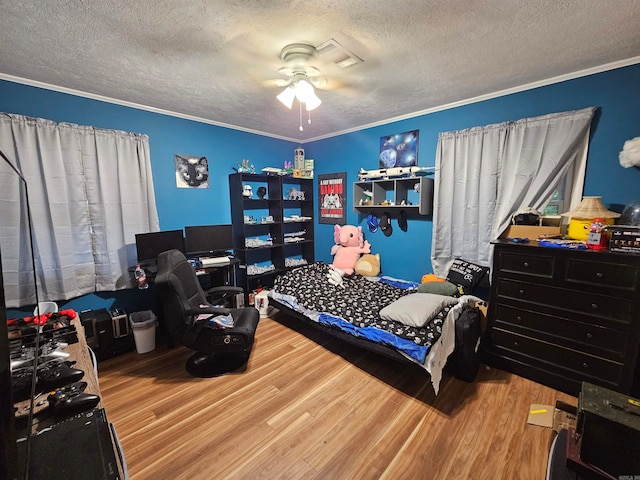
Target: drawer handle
585,365
518,318
521,291
594,306
526,265
589,335
599,275
515,344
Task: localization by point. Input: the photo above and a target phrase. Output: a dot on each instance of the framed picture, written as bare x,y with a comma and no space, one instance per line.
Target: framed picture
399,150
332,198
191,171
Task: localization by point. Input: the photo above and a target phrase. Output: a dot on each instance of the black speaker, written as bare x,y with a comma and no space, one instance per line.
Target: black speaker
108,332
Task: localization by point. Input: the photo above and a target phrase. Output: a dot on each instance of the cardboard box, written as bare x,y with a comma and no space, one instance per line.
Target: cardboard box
532,232
483,307
541,415
564,416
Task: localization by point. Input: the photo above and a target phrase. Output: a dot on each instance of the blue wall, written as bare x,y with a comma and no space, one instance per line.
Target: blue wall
168,135
177,207
405,255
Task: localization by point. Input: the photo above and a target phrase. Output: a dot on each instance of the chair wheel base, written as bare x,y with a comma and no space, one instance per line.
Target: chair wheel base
208,365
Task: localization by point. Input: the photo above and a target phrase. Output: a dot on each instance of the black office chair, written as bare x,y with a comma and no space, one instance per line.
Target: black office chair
183,302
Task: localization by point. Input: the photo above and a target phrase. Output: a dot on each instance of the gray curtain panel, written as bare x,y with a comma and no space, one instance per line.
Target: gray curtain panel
90,191
484,174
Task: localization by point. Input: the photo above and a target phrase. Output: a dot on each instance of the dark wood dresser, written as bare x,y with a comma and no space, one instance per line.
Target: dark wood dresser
560,316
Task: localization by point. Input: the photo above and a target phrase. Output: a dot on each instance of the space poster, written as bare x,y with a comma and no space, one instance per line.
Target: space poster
399,150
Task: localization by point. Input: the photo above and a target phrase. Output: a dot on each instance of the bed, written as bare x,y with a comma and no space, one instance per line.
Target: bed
381,314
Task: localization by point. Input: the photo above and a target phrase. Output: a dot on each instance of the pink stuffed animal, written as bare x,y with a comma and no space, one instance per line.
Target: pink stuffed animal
350,244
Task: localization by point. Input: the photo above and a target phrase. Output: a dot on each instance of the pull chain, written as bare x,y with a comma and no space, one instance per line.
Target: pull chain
300,104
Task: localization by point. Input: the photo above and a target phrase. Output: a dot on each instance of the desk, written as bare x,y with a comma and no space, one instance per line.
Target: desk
229,270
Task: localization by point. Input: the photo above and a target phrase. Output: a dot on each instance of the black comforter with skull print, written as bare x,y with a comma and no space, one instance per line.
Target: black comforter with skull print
355,308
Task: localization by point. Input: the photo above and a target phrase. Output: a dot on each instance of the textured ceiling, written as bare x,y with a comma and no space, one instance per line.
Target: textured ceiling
216,60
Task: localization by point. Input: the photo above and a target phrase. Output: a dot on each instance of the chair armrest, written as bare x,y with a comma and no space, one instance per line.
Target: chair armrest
224,289
194,312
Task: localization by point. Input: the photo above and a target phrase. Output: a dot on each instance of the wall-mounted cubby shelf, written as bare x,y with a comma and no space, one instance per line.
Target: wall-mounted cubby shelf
411,194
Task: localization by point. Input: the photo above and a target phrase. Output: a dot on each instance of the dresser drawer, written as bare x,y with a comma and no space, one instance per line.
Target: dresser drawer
555,355
613,276
617,310
597,339
536,265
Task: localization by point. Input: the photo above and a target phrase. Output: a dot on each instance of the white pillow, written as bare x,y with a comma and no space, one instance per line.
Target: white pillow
416,309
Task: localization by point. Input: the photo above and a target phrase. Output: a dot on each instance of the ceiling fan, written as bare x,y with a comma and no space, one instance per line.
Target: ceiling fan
302,77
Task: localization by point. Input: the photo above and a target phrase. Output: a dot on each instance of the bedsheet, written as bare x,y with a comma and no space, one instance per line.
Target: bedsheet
355,309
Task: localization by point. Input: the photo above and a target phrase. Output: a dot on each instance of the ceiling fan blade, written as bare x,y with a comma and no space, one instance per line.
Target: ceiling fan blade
311,71
276,82
286,71
318,82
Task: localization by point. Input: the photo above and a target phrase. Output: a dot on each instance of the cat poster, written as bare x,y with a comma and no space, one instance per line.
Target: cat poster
191,171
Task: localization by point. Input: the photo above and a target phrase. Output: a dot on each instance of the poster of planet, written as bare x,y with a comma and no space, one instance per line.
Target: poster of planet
399,150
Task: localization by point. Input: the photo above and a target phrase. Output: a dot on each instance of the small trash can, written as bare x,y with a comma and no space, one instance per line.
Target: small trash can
144,325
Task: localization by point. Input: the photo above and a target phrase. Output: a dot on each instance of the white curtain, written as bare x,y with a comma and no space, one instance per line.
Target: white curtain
484,174
90,191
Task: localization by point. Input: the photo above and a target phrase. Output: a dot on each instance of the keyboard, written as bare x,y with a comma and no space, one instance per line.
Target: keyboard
214,261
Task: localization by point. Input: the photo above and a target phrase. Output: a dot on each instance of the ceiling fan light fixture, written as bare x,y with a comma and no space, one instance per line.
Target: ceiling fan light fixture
301,77
287,96
312,102
304,91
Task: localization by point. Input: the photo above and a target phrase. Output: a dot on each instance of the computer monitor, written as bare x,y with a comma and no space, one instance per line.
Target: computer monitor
150,245
208,239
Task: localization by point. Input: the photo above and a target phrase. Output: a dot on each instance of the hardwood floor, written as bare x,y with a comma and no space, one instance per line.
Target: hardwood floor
302,410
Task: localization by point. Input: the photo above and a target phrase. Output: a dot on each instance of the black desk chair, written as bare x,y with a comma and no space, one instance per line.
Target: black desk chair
183,301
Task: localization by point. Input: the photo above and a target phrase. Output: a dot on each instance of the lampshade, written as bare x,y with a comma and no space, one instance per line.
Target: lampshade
591,207
287,96
312,101
303,91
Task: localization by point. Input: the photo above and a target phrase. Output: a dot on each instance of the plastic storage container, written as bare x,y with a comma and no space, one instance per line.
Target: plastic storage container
144,325
262,303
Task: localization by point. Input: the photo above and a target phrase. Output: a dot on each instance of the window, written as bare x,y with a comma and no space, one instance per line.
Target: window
570,189
90,192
